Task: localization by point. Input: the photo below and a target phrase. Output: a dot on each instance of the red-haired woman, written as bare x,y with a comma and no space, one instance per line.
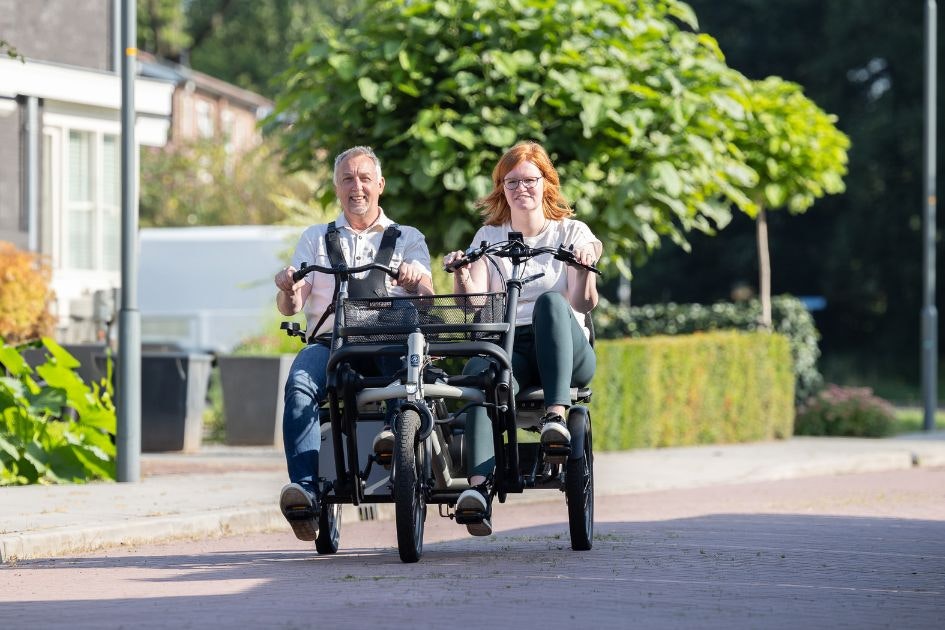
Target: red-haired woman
551,342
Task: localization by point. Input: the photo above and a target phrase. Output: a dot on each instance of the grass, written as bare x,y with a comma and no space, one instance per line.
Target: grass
910,420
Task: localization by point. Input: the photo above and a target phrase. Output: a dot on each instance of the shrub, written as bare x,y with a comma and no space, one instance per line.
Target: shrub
845,411
24,295
706,388
53,427
789,318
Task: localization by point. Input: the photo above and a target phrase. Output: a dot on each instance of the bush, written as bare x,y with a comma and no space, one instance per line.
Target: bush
789,318
847,412
53,427
718,387
24,295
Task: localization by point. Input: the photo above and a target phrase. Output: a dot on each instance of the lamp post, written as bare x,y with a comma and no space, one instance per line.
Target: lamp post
929,316
128,436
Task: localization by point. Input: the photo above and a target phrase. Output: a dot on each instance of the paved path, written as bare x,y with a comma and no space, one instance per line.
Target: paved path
863,550
225,491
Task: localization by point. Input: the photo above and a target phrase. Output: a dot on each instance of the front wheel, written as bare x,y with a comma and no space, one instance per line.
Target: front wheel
329,528
579,482
409,500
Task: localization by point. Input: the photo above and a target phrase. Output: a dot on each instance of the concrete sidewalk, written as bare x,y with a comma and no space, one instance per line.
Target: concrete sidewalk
229,491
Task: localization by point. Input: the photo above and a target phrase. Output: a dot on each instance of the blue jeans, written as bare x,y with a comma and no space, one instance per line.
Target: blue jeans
304,393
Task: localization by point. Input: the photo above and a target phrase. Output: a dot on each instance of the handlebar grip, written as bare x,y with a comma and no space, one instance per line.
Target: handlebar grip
299,274
456,264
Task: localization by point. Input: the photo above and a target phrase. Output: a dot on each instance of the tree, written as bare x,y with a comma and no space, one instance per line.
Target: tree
798,154
636,108
244,42
860,60
162,28
202,184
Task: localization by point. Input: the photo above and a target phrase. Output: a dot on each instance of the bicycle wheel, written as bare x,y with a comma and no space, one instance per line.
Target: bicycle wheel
410,506
329,528
579,485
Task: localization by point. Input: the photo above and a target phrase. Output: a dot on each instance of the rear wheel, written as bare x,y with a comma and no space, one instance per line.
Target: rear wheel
329,528
579,485
409,500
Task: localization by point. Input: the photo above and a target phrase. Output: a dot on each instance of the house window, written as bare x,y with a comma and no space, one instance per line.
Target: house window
204,119
93,201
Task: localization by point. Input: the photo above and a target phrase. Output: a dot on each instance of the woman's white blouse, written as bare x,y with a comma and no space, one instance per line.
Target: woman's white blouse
565,232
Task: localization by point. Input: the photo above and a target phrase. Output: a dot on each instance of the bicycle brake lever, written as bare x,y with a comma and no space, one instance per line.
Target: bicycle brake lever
534,277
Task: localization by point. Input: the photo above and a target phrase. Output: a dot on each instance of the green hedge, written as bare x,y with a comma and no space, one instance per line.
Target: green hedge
705,388
788,315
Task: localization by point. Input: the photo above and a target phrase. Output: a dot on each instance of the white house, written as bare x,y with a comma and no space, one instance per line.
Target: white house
60,145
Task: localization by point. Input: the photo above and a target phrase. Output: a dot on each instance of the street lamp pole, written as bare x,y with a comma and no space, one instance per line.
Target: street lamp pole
929,312
128,436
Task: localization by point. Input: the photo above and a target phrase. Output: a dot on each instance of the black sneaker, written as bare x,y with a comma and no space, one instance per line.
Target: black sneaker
300,508
472,510
555,437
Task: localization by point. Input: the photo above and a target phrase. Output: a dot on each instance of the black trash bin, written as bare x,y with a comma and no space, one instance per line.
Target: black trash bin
173,397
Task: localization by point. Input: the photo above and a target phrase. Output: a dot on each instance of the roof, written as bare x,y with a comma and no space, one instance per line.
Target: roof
151,66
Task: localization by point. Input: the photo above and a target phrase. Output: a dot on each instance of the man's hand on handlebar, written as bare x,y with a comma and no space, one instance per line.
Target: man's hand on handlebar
285,282
409,276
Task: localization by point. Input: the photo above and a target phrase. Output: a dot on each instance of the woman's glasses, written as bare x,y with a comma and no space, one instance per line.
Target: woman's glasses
528,182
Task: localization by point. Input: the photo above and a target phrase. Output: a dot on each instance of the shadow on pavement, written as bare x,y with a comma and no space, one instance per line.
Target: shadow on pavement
758,571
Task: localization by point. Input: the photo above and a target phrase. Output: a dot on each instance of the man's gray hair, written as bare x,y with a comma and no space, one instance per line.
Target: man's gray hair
352,152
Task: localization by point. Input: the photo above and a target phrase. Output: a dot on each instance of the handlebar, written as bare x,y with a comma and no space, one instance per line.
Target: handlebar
514,248
342,269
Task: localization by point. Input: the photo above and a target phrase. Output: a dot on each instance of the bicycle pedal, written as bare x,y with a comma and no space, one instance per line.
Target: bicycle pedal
299,513
467,516
557,454
385,459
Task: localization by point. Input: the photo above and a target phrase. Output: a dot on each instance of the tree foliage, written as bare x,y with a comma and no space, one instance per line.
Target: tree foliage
635,106
162,28
798,154
201,183
792,145
860,60
244,42
24,295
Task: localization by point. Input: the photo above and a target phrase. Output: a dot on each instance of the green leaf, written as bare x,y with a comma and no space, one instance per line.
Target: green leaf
668,177
370,91
459,134
454,179
61,356
502,137
7,447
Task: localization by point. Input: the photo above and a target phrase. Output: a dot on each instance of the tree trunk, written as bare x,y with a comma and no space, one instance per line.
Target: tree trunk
764,269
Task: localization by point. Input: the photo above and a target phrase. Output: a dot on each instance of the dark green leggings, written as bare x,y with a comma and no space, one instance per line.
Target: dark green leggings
551,352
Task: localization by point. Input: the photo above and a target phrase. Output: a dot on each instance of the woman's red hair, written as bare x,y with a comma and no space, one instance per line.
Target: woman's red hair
495,208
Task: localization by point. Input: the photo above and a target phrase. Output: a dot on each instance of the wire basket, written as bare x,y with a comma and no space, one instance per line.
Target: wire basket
441,318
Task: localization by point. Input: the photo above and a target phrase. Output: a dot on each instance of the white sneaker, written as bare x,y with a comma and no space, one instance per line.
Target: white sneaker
383,446
472,510
300,509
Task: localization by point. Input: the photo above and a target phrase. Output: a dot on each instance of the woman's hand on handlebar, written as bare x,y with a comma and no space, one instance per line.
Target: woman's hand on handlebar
585,255
452,258
462,278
